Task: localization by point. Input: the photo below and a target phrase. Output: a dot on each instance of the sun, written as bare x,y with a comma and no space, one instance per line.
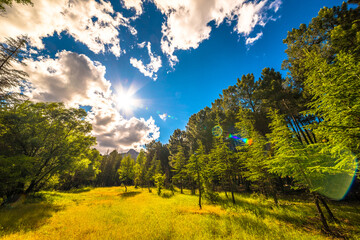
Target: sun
126,100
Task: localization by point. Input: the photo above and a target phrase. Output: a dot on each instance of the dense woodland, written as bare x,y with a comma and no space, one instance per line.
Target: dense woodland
277,135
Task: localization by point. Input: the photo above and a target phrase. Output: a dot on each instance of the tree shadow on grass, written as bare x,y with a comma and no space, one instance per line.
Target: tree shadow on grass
79,190
25,217
128,194
167,195
284,213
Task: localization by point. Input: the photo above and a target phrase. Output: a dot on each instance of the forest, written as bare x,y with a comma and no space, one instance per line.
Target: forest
277,137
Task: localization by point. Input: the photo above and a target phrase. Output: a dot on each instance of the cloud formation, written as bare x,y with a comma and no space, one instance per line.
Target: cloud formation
133,4
93,23
250,41
187,21
151,68
76,80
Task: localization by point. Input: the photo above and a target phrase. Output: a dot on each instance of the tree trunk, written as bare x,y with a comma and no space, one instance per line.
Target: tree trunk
125,188
181,187
332,217
322,217
275,197
232,196
232,189
149,187
193,189
199,182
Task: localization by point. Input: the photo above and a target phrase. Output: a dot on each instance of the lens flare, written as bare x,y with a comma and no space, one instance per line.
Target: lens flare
217,131
336,185
245,140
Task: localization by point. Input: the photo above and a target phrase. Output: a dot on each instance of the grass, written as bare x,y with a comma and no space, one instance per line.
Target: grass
110,213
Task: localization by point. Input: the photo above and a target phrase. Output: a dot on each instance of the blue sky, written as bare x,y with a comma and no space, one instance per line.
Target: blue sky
133,61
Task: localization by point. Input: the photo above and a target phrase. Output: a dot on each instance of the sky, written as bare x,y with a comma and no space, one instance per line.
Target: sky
141,68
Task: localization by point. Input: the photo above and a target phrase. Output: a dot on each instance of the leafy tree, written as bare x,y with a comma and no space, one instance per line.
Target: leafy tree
84,173
126,171
47,136
140,169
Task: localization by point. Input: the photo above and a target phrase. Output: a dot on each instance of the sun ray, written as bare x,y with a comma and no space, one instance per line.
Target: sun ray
125,99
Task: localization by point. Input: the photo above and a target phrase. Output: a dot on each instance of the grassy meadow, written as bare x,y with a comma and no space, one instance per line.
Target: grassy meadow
110,213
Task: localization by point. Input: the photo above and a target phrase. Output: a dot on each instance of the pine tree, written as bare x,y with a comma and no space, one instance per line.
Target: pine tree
196,168
178,163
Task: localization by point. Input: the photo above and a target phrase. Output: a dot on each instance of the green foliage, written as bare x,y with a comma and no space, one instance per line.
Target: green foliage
126,170
140,169
83,174
313,166
178,163
159,182
108,175
50,138
336,100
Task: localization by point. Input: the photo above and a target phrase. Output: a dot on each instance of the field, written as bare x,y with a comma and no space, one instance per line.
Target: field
110,213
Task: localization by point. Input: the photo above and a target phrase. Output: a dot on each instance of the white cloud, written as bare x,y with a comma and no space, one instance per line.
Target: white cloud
275,5
151,68
141,45
92,23
163,116
135,4
76,80
250,41
249,15
187,21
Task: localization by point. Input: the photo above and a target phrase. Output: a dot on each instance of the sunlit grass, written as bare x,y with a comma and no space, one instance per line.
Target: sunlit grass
110,213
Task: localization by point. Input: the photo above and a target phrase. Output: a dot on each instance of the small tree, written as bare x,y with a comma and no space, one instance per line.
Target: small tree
178,163
139,169
195,167
159,177
126,171
226,164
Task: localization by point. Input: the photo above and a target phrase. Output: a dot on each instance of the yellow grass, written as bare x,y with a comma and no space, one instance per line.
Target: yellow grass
109,213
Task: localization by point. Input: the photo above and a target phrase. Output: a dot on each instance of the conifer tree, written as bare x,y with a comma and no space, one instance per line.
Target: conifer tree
178,163
312,166
196,168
